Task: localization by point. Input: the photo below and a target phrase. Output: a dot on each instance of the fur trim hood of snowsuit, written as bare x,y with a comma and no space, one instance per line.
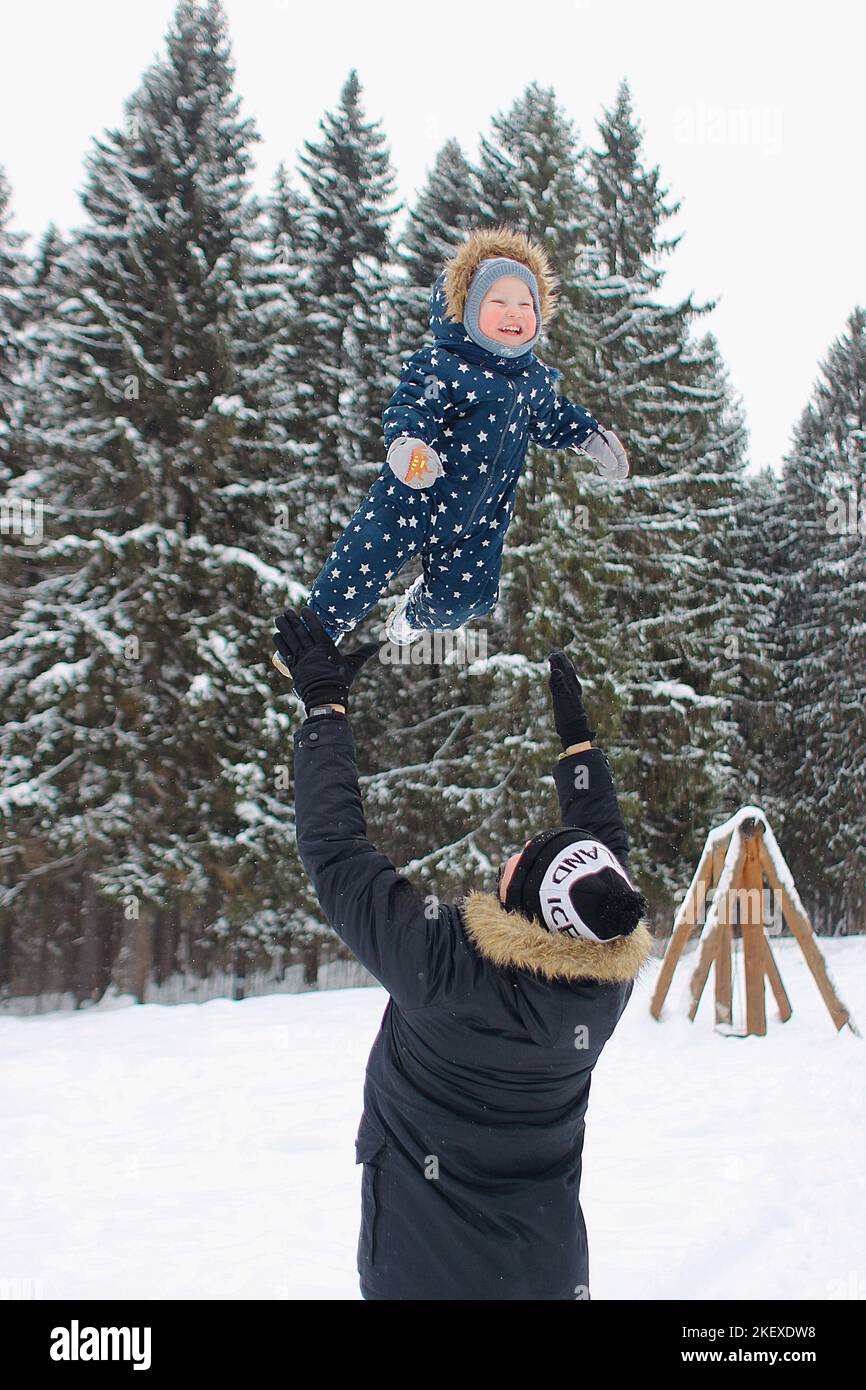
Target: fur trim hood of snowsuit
499,241
510,939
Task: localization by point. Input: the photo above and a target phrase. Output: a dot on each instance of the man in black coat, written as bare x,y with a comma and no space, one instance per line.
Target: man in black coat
500,1005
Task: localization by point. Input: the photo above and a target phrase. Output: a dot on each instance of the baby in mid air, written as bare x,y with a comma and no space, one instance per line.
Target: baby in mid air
457,430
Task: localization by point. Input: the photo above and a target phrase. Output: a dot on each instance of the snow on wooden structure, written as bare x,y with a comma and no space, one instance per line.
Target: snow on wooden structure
735,859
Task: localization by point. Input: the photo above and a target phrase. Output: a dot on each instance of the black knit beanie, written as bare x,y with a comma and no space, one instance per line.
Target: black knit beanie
600,904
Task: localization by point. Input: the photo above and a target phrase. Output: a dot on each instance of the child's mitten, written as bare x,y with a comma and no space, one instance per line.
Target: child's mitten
414,462
607,453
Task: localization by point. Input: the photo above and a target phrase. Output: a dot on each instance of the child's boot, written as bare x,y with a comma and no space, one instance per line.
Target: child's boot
397,630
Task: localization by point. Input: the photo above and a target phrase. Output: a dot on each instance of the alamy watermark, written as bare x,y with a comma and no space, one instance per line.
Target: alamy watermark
460,648
740,906
77,1343
759,127
22,516
846,513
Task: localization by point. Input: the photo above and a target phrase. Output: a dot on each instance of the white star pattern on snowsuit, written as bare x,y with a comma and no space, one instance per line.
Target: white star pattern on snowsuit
469,513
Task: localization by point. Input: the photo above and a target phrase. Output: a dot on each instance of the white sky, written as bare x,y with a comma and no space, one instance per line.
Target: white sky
753,111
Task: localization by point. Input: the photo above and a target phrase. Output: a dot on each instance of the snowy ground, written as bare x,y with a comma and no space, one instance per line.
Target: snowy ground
207,1150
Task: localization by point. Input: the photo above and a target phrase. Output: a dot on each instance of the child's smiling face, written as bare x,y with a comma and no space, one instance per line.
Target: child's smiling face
507,313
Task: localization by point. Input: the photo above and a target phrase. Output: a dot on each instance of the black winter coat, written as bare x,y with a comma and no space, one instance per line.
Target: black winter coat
478,1081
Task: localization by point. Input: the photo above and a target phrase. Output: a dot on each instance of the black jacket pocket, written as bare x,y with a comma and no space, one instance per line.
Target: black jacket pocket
370,1147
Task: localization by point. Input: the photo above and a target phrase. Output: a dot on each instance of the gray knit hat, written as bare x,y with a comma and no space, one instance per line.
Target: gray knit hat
489,271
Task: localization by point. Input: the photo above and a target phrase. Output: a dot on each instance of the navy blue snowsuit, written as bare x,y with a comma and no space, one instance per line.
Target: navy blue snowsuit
479,412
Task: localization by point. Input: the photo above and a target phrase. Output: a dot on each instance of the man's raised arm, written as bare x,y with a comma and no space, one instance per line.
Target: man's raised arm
583,777
374,909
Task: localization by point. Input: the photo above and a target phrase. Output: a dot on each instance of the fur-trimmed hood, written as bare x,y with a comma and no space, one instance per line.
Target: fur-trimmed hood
499,241
510,939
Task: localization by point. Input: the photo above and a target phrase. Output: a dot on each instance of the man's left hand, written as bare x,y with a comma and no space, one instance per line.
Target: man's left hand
569,713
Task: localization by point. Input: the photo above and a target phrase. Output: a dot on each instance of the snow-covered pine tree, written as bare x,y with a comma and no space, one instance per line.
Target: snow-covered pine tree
47,289
289,241
144,769
347,361
52,245
721,589
17,308
820,755
666,395
748,653
19,517
445,211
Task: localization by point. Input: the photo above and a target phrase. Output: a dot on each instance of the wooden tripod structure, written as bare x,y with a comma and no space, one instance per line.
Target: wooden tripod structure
735,859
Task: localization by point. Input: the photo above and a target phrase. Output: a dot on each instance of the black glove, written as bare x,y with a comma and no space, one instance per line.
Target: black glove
569,715
321,672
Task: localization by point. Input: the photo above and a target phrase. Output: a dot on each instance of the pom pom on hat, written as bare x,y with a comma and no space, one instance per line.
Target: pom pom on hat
612,911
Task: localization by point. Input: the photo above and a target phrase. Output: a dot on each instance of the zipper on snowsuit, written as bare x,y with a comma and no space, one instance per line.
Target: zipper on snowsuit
485,493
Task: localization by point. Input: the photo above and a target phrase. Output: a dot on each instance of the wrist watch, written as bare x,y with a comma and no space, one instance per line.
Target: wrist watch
322,709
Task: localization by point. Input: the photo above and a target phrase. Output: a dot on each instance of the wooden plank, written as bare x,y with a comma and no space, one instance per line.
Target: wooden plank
709,948
724,941
772,972
717,916
684,924
752,926
723,974
801,929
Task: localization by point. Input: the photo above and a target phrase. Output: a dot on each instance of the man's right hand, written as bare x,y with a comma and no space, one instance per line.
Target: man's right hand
321,671
569,714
